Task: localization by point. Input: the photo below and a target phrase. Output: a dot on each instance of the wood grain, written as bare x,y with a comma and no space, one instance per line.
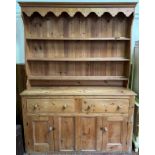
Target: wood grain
77,59
81,90
105,105
52,48
84,8
51,105
66,137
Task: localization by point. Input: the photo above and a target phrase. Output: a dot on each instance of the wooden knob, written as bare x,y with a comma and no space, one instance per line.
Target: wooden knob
50,128
104,129
88,108
118,107
35,106
64,106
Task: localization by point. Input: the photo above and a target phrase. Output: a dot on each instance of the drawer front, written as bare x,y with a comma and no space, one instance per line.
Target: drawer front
105,105
50,105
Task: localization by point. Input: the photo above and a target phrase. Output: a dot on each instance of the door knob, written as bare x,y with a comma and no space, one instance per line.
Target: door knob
50,128
104,129
35,106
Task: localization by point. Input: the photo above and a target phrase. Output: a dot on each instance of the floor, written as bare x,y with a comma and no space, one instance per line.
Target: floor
86,153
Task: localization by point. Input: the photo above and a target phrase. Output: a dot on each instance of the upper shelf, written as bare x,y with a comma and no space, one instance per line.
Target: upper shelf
72,8
79,59
107,38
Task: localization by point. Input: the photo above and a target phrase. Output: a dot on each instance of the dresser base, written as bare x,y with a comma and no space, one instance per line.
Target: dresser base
65,119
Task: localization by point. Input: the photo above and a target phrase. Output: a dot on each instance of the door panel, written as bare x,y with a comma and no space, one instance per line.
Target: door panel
64,133
115,133
69,133
42,131
88,131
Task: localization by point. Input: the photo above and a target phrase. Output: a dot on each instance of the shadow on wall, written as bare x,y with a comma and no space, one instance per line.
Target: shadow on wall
20,86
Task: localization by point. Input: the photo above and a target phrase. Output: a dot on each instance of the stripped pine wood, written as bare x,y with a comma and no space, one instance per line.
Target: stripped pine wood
79,130
116,135
48,105
99,49
78,26
75,39
113,83
88,133
66,142
77,78
53,43
77,58
105,105
76,69
84,90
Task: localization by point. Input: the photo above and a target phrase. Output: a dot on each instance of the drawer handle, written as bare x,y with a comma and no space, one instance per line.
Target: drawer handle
118,108
64,106
88,108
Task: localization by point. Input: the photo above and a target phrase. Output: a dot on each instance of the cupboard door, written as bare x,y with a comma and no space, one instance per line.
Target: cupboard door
88,133
114,133
64,134
42,133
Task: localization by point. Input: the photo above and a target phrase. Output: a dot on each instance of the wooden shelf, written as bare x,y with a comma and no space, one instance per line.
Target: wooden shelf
66,54
77,78
79,59
108,38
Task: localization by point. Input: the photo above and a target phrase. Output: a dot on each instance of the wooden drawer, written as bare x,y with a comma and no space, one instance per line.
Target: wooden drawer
105,105
51,105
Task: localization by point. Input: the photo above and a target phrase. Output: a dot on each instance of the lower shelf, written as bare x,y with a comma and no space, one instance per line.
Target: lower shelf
77,78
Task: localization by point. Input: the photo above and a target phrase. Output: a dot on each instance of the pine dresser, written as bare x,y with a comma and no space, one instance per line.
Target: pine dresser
77,60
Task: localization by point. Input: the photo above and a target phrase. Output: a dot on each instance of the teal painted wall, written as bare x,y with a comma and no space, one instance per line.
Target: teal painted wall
20,56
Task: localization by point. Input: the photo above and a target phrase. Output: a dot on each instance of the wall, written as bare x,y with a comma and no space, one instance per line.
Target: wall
20,30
